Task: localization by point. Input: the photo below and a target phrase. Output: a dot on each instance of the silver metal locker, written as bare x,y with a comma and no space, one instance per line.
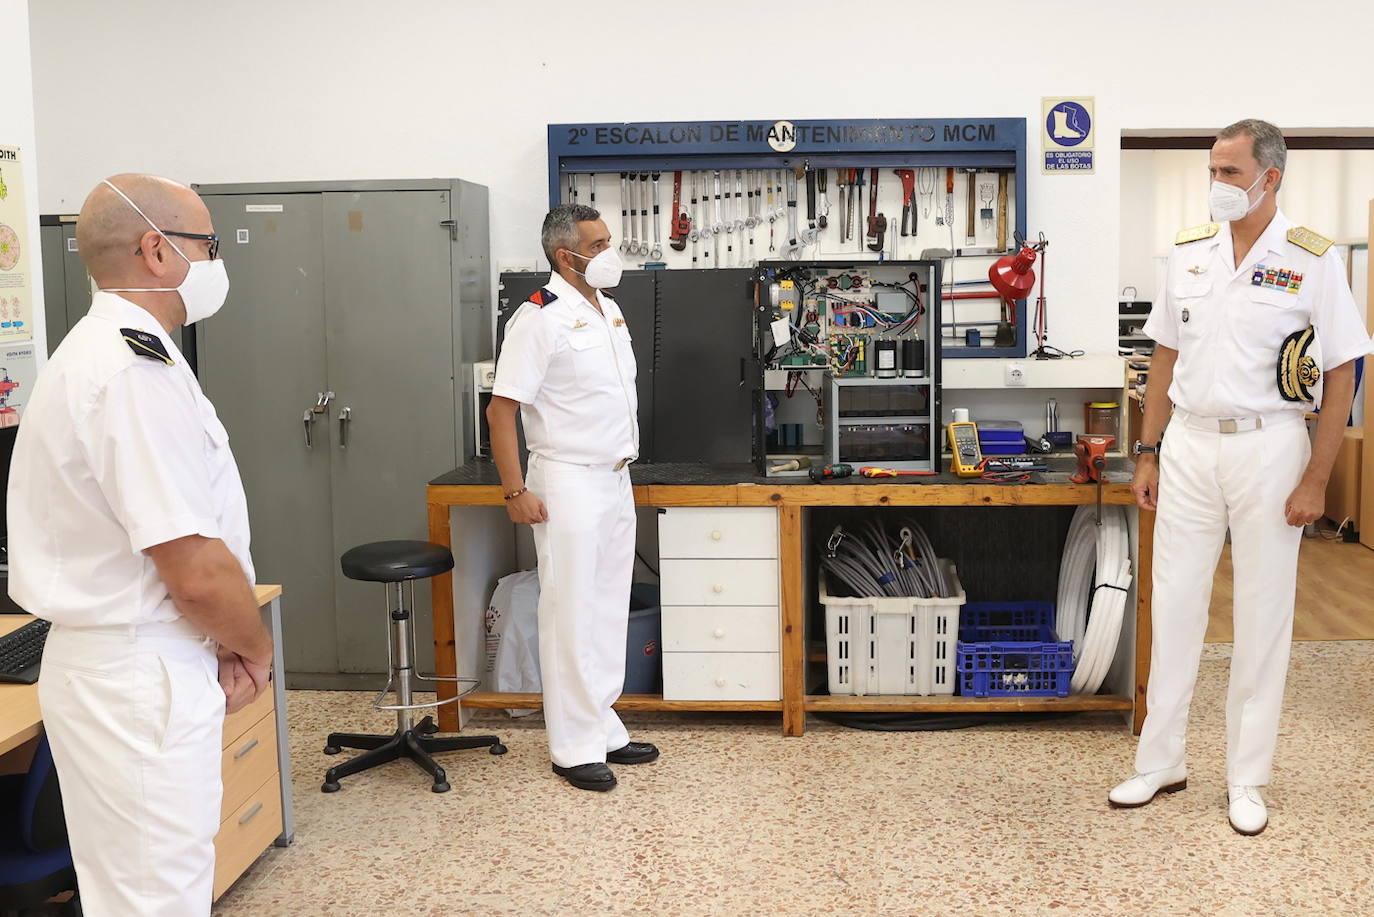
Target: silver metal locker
262,362
378,292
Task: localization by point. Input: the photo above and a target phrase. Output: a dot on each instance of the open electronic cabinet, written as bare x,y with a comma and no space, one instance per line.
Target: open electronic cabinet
850,360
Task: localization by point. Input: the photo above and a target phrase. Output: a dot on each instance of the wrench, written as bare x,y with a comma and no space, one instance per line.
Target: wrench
593,191
908,177
856,199
705,222
791,249
625,228
772,212
682,223
842,182
693,233
644,213
877,223
657,253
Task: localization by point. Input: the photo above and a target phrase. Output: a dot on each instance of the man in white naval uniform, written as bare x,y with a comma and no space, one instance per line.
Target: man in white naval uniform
1236,454
128,529
568,366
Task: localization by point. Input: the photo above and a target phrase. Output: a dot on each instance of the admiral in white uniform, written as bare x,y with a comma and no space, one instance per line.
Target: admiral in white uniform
567,364
128,530
1240,295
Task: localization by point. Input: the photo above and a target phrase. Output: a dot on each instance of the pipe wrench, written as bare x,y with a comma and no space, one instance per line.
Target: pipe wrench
877,223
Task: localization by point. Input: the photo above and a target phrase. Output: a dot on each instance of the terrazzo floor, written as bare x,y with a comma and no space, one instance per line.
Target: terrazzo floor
736,819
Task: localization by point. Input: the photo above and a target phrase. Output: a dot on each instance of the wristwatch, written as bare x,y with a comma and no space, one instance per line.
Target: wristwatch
1140,448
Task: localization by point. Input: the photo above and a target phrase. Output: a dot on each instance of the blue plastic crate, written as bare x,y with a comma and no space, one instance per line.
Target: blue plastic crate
985,622
1015,668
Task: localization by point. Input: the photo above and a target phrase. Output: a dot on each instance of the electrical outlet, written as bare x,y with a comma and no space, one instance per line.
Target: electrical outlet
515,265
1014,375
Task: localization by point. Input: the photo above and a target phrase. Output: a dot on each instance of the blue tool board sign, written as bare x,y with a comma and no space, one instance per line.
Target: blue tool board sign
992,144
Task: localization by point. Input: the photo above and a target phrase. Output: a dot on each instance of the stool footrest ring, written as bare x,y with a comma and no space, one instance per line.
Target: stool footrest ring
474,683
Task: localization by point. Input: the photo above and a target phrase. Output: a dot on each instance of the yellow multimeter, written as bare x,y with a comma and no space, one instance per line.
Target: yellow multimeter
963,442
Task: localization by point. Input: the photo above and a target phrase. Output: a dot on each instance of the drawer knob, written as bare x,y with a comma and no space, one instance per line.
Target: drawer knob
720,682
717,588
720,632
715,536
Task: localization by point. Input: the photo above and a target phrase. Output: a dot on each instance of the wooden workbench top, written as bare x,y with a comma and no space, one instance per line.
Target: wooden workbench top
674,484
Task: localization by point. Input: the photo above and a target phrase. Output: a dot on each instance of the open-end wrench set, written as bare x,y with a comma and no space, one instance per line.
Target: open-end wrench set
719,218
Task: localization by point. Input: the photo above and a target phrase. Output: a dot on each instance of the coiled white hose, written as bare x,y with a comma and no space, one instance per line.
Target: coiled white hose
1095,573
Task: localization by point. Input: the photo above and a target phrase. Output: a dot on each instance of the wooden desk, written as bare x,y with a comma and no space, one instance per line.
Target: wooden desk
257,807
475,486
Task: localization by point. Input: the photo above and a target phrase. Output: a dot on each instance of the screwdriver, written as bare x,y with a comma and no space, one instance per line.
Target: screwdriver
819,473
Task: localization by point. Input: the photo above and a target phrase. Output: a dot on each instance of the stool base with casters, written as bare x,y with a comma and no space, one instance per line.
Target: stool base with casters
396,563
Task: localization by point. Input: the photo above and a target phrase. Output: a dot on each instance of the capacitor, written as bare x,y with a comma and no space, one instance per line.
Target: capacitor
885,362
913,358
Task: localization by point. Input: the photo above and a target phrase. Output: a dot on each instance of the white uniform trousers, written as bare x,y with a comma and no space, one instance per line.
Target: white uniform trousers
586,560
1210,481
135,718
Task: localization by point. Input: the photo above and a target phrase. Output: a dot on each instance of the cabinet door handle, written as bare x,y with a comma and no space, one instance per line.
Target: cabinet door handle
309,421
345,418
720,633
717,588
246,749
715,536
720,682
251,813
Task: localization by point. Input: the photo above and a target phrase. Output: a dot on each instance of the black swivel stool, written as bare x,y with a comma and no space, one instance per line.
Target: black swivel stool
399,564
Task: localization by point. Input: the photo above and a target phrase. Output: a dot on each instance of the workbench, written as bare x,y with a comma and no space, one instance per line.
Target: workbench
467,513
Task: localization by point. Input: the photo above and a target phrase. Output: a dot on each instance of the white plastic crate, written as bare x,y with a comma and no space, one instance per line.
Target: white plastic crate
886,645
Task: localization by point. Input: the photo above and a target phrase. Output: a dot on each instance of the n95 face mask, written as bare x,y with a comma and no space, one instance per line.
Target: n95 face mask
1229,203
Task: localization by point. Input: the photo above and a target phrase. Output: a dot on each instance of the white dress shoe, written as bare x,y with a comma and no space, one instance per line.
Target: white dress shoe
1248,814
1142,788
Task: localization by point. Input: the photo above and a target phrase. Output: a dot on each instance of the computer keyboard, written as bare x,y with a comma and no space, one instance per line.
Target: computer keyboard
21,652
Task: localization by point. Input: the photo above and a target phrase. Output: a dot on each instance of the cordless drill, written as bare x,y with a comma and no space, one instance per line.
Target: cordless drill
819,473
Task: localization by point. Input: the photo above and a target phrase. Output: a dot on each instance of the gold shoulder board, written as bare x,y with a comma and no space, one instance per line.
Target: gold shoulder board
1205,231
1305,238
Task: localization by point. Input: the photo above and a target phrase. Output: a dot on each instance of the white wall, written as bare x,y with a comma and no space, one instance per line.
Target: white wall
17,129
260,90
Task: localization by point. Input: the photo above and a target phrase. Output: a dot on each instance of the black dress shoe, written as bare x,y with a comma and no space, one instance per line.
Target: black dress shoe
633,753
595,776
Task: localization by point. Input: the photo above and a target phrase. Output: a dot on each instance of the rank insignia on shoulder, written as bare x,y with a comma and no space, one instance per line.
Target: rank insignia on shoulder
542,298
618,322
1308,240
1197,233
146,345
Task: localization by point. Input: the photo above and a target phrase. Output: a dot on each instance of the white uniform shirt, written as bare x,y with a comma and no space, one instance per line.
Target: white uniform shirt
1227,321
116,453
573,371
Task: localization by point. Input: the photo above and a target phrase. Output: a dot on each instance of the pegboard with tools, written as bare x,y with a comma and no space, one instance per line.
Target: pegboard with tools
857,339
706,195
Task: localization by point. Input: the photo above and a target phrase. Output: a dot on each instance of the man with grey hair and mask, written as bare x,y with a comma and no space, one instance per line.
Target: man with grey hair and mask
128,530
567,365
1235,370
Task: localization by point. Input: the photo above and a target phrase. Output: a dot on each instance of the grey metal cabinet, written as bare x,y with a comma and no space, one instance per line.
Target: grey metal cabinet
341,367
66,285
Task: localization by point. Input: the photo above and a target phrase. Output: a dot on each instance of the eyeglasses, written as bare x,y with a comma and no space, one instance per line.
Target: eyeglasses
211,238
203,237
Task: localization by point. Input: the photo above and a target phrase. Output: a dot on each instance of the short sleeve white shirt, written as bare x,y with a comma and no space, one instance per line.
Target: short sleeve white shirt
117,452
1228,321
572,369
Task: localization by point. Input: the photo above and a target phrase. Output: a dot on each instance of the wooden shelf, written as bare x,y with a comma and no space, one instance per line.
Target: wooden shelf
825,703
495,700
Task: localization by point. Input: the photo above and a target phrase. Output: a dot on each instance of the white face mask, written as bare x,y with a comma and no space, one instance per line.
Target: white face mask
603,271
1229,203
206,285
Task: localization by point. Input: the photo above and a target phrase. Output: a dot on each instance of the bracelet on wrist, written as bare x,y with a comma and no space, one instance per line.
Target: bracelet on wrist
512,496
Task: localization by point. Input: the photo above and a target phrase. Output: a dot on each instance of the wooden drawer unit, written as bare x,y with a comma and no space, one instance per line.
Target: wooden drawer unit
726,532
236,724
725,628
722,676
719,582
246,833
248,761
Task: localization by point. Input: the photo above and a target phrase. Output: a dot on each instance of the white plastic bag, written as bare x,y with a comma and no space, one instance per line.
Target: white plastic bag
512,623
